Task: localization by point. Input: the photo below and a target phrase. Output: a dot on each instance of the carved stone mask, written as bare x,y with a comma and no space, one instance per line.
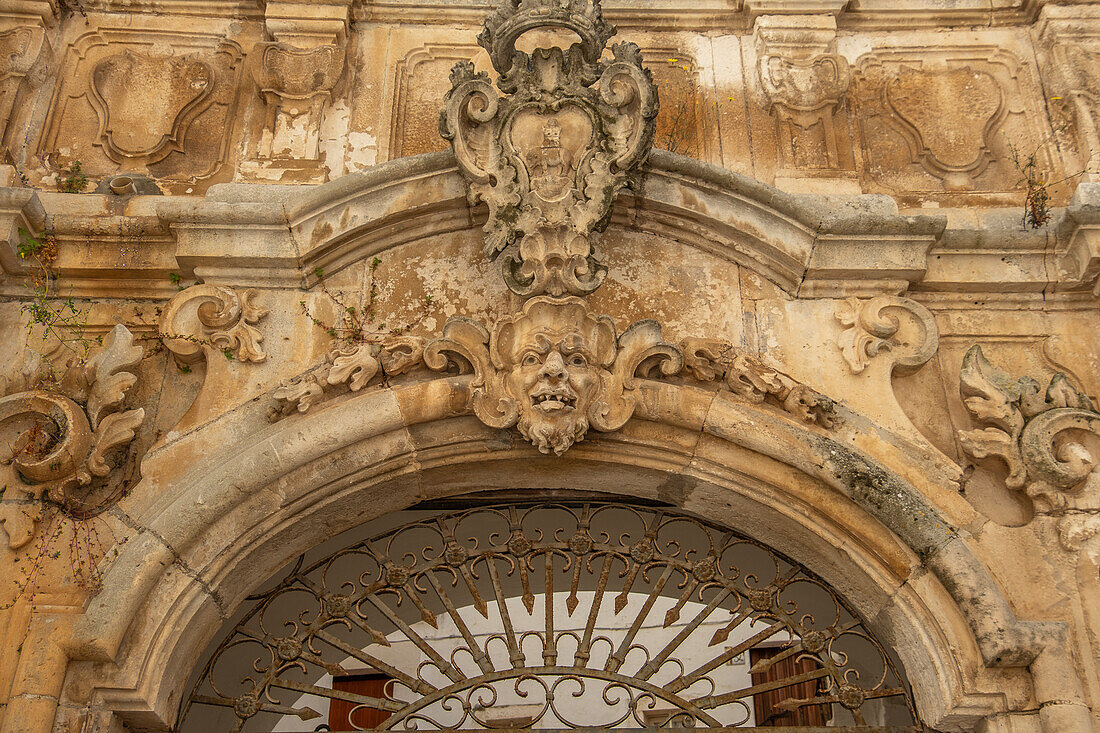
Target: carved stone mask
554,361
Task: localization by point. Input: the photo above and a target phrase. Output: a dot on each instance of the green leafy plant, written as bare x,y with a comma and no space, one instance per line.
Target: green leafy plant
1036,183
73,180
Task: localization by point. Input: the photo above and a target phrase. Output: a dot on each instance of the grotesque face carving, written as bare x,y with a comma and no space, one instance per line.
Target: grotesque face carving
553,360
553,384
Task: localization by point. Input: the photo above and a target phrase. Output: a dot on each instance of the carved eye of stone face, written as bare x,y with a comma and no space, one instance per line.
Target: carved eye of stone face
531,359
577,360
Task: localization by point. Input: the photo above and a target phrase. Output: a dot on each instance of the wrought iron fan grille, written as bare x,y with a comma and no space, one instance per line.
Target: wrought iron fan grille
654,620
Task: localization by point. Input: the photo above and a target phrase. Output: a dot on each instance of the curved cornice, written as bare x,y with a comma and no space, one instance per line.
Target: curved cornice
807,245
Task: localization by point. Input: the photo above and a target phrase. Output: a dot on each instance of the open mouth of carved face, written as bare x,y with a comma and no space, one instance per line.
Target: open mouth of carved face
554,400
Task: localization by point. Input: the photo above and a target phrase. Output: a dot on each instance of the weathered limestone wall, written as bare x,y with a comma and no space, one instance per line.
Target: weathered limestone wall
853,200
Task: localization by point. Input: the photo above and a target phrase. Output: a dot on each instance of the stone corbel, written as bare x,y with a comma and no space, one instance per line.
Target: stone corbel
904,329
296,84
66,431
805,82
23,52
1049,440
206,320
1078,263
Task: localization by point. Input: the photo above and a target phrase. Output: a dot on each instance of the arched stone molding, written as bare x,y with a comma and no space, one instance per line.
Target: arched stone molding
806,246
203,541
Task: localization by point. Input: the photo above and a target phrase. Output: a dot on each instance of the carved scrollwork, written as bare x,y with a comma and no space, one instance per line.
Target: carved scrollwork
347,367
549,157
554,370
886,323
65,431
710,360
216,317
1048,439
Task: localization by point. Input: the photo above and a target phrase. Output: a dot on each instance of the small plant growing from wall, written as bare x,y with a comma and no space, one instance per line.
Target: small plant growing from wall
72,180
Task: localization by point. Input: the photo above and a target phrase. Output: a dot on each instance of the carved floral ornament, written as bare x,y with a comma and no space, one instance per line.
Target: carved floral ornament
886,323
63,433
549,156
1048,439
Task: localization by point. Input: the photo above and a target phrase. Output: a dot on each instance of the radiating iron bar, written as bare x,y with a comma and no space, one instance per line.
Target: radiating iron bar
723,633
550,648
320,621
426,614
673,614
330,667
584,649
411,682
654,664
764,665
715,701
515,653
267,707
616,660
474,648
410,633
378,703
793,703
696,674
650,537
660,693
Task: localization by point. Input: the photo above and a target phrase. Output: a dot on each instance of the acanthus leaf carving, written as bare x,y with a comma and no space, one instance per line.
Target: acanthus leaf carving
886,323
65,431
711,360
347,365
1049,439
549,156
216,317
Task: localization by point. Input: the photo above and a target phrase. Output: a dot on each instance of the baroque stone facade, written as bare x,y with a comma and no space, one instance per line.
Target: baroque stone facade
816,277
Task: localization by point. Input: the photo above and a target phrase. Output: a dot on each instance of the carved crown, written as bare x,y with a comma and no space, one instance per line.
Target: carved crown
513,18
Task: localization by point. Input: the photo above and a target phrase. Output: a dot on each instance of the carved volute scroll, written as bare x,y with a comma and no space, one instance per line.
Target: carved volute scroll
213,317
549,156
1048,439
63,433
902,327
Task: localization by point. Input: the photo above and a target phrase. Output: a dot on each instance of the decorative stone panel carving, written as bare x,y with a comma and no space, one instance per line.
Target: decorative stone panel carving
203,318
1069,58
942,119
887,323
21,50
550,155
144,129
63,433
152,102
295,84
1049,439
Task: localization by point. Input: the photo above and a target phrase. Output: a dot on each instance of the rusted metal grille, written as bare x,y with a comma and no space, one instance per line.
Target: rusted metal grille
550,616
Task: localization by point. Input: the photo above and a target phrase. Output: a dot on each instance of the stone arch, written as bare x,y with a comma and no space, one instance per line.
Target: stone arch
244,511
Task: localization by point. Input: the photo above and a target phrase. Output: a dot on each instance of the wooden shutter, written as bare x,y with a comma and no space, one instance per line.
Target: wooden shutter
764,703
362,684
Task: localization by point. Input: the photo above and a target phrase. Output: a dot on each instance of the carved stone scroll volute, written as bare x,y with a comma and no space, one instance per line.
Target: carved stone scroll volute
550,155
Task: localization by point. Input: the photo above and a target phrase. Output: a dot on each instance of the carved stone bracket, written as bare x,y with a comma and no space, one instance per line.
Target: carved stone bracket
1048,439
711,360
549,156
887,323
296,84
21,50
805,82
213,317
65,432
347,367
